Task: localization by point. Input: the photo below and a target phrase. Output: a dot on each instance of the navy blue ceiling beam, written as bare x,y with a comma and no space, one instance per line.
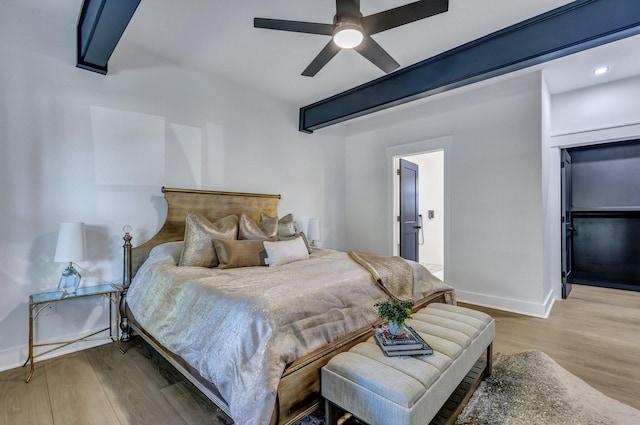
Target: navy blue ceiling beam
577,26
100,26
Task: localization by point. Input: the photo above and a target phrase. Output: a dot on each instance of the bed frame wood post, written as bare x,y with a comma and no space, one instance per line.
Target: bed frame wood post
125,334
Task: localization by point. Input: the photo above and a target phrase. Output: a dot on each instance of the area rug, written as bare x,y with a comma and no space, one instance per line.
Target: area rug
530,388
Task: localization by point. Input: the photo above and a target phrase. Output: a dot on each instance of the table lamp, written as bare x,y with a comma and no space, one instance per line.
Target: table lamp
70,248
313,231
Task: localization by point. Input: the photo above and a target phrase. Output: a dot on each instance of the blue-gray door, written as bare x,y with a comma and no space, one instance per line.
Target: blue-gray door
409,210
567,224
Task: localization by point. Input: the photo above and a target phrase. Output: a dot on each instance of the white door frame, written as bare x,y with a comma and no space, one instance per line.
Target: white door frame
394,153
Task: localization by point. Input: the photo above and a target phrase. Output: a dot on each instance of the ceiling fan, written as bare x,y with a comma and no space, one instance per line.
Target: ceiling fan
350,30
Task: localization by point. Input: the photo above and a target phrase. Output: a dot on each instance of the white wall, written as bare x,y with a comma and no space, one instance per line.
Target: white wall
495,245
79,146
606,106
551,205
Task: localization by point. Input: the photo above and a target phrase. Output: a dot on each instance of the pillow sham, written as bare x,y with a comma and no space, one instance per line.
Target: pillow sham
250,230
239,253
173,249
286,225
285,252
199,232
300,235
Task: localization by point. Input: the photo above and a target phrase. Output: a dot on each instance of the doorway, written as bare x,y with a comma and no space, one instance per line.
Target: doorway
430,197
602,225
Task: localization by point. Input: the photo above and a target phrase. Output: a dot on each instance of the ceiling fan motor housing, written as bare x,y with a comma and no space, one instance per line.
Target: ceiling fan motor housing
347,12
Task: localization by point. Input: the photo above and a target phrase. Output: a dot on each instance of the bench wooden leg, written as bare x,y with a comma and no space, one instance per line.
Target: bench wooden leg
332,413
489,368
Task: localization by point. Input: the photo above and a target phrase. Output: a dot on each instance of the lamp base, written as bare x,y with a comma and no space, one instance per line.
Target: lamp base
70,280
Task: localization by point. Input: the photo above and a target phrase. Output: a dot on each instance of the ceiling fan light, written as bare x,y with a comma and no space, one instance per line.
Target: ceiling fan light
348,36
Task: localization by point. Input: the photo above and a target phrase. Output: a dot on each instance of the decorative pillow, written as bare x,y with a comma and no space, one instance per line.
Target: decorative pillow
266,230
198,234
269,225
173,249
284,252
239,253
297,235
286,225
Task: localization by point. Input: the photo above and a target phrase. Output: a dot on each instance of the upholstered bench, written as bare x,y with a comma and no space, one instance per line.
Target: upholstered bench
382,390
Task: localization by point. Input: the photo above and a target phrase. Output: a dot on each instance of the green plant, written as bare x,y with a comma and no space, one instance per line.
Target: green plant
394,311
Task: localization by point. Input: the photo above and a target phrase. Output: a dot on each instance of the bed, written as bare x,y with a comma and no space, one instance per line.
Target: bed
252,339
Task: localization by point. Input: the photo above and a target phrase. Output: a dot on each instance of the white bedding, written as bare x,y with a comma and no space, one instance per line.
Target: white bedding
239,328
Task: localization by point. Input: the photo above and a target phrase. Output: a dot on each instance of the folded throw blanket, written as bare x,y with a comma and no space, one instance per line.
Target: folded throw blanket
393,274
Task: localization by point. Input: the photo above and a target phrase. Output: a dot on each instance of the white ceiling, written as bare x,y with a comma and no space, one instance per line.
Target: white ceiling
218,37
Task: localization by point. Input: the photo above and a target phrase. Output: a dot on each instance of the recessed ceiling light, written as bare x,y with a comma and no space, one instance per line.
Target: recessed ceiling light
600,71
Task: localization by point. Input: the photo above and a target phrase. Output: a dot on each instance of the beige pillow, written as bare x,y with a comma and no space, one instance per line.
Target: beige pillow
287,226
250,230
297,235
199,232
284,252
239,253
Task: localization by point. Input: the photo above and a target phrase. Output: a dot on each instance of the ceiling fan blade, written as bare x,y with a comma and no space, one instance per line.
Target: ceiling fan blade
377,55
402,15
325,55
294,26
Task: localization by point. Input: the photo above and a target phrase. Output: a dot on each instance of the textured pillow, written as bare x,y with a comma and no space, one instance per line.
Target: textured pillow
298,235
284,252
269,225
198,234
250,230
173,249
286,225
239,253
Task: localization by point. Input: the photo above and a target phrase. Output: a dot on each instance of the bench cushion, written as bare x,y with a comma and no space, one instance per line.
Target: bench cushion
409,390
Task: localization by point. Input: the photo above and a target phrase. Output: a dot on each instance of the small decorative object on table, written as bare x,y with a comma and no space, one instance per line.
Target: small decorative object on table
395,312
408,343
395,338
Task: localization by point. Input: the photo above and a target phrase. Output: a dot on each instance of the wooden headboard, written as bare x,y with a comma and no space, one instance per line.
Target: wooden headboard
211,204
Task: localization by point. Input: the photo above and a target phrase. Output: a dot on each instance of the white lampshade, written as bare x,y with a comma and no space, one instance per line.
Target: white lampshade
313,229
71,243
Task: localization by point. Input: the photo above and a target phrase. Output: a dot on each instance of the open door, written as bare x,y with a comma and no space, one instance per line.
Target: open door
567,223
409,211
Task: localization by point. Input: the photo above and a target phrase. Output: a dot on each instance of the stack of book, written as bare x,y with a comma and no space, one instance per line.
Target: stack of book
408,343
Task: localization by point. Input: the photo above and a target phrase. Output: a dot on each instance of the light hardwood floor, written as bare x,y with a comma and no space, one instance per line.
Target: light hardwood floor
595,334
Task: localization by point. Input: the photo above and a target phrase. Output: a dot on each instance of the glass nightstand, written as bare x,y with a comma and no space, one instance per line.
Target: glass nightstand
38,302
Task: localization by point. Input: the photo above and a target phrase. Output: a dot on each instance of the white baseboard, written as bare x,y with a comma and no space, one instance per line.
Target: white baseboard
16,356
508,304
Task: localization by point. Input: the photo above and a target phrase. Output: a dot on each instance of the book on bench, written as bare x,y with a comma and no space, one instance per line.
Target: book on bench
408,343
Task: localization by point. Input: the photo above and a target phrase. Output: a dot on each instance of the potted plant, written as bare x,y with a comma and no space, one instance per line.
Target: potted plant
395,312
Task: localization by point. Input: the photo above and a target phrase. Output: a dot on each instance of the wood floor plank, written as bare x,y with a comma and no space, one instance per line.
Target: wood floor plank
133,385
76,394
22,403
193,407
